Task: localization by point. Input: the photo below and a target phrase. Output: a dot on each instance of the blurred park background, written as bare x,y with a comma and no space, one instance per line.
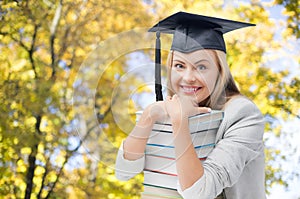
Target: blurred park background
64,73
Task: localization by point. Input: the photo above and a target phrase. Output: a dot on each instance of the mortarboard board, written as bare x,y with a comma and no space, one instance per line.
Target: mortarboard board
191,32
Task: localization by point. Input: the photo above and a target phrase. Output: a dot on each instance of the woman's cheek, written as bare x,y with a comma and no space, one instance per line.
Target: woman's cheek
210,83
175,80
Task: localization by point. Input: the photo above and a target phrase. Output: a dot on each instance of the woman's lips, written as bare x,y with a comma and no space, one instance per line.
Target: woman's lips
190,89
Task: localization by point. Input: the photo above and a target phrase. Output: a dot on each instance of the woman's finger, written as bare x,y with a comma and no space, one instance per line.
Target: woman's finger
204,110
175,96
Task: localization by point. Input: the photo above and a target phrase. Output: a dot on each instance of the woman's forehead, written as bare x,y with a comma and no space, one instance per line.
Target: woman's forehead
195,56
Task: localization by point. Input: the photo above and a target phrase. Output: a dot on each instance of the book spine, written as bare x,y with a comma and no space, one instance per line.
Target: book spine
198,139
162,164
213,115
193,126
157,195
160,179
204,126
169,152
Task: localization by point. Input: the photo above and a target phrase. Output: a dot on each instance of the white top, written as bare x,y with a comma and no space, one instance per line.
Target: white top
236,164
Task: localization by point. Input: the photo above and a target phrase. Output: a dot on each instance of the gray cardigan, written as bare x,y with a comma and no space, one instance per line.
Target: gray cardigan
236,164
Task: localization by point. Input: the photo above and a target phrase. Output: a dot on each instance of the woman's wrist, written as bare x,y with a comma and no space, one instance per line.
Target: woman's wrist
180,124
134,145
177,119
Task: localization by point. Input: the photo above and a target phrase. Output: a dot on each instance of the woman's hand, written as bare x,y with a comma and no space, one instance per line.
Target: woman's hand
156,112
180,108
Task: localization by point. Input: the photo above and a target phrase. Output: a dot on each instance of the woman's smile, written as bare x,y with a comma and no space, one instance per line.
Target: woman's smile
190,90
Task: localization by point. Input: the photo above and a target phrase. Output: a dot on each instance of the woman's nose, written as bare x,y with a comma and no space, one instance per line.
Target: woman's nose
189,75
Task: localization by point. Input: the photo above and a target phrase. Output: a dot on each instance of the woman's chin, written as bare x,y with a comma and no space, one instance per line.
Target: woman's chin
192,97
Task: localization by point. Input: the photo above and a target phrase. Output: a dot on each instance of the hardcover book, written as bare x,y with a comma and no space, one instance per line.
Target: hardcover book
155,192
162,164
169,152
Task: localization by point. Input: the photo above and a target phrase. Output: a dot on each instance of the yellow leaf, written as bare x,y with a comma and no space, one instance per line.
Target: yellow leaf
26,150
18,65
39,170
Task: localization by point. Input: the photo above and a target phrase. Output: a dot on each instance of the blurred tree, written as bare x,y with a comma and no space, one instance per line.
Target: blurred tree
43,44
292,11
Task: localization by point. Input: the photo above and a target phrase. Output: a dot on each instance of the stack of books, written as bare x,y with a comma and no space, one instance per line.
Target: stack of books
160,175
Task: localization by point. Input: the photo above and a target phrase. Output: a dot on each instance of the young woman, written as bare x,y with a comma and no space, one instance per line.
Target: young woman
199,80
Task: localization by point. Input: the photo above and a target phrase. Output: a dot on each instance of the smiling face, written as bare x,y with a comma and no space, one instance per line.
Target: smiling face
194,74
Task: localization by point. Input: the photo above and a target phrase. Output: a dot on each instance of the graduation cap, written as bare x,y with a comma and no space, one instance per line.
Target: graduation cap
191,32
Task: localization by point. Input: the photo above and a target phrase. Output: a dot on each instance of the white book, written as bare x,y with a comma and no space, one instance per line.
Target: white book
169,151
162,164
160,179
198,138
155,192
193,126
157,196
204,117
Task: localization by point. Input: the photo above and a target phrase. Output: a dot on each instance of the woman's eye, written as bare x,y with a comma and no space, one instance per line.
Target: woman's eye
178,66
201,67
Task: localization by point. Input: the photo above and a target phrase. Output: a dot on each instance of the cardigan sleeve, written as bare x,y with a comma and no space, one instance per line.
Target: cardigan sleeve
242,129
126,169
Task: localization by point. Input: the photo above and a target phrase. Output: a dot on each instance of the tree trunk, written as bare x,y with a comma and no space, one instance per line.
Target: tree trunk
30,172
31,162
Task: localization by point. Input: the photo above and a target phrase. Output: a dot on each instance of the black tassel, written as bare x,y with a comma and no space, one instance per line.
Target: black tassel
158,86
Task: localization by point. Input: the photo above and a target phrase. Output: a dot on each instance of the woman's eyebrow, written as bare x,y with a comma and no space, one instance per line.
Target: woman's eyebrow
194,64
201,60
182,61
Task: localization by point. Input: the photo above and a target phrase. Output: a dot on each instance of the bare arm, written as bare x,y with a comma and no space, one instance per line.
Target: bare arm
189,168
135,143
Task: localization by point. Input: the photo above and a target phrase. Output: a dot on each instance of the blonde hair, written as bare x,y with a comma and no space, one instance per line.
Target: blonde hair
225,87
